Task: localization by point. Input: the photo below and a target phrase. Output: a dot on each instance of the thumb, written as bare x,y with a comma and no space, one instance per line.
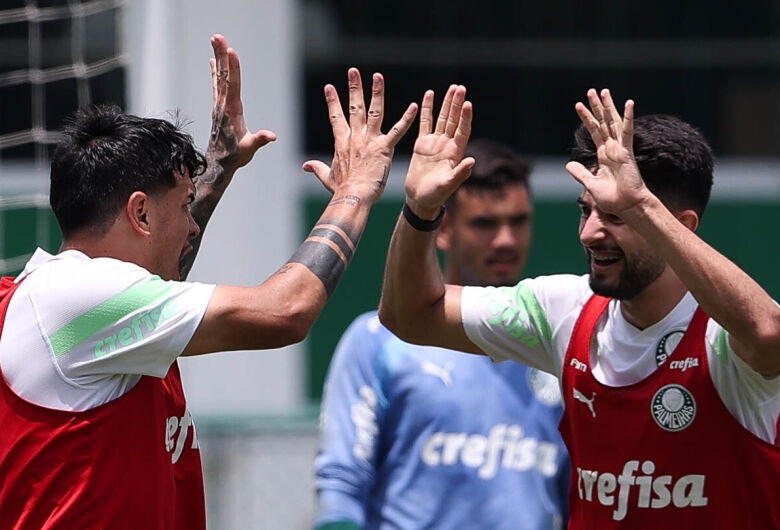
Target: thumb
462,171
322,171
579,172
262,137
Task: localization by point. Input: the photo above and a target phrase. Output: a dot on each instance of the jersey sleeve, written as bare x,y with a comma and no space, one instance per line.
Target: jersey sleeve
112,317
521,323
350,418
753,399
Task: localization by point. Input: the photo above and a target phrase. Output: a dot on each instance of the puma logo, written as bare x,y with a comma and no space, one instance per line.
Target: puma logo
579,396
442,373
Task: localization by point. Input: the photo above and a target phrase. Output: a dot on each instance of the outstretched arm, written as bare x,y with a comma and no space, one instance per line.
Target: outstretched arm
231,145
723,290
282,309
416,304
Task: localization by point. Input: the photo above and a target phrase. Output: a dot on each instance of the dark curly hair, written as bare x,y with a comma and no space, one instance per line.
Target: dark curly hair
105,155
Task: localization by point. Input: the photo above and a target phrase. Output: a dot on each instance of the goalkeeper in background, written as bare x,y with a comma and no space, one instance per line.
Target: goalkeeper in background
420,437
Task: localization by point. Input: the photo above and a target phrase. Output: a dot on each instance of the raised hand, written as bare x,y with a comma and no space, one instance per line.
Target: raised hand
617,184
362,154
437,166
231,144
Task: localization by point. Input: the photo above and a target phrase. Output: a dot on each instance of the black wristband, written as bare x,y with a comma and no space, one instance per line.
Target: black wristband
421,224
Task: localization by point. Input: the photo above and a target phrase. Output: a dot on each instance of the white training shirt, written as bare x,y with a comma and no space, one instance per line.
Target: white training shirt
532,323
80,332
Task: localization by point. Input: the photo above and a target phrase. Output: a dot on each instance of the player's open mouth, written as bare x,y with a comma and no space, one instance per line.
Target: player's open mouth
186,250
603,260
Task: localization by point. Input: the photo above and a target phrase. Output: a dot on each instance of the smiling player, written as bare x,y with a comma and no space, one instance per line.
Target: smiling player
659,435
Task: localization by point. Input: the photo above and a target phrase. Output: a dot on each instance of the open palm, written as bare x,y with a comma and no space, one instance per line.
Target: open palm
362,152
617,184
230,143
437,166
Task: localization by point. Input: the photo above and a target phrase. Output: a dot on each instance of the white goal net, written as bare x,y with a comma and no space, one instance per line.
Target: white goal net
59,50
58,55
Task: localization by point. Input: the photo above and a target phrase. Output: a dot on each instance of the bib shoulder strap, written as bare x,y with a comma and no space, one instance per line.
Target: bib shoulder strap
583,329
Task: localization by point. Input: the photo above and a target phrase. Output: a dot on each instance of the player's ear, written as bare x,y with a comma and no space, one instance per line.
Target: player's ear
443,236
689,218
137,212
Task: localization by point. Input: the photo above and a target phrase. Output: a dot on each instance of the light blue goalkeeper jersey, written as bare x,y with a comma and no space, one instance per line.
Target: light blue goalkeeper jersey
420,437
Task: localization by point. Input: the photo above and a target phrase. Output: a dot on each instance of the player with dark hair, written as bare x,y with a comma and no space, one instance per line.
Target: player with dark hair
95,428
406,441
106,155
472,241
668,353
498,166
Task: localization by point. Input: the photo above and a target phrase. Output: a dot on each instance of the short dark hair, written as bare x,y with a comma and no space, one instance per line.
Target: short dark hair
674,159
105,155
497,165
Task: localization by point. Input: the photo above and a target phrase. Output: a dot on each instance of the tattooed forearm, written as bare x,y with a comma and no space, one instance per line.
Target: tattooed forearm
223,144
352,200
335,235
285,269
321,259
350,235
209,189
327,252
202,209
214,176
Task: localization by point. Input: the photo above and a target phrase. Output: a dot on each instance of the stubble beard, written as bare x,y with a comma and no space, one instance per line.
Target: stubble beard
636,276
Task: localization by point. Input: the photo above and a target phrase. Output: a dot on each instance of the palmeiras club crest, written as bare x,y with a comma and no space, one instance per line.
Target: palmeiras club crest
673,407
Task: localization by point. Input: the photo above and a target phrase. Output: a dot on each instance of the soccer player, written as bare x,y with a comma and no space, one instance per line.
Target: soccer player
419,437
668,353
95,428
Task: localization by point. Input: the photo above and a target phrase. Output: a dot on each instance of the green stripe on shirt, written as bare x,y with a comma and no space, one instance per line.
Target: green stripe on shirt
518,311
108,313
721,346
535,312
